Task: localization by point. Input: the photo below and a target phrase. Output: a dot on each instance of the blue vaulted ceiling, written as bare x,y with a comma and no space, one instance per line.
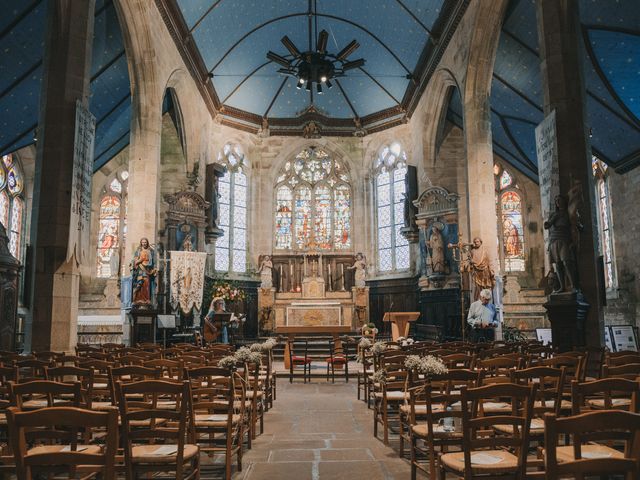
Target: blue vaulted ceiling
611,39
22,30
233,37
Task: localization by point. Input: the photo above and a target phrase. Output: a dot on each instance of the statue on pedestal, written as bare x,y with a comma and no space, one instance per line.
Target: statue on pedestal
266,272
562,247
478,266
359,266
143,273
435,243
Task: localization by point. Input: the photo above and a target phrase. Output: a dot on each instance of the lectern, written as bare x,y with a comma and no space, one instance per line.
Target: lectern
400,322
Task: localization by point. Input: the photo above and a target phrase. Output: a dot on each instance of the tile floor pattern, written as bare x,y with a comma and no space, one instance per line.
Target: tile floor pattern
320,431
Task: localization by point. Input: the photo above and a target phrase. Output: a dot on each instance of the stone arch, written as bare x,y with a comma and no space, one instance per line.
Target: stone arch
436,103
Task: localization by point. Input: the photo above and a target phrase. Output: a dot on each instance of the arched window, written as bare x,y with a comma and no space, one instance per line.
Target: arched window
112,225
510,223
313,203
389,171
12,203
605,230
231,249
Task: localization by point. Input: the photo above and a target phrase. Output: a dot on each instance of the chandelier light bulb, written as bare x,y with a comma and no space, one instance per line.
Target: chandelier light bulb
301,81
323,78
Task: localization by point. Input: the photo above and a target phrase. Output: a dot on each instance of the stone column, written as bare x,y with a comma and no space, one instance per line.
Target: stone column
563,86
67,64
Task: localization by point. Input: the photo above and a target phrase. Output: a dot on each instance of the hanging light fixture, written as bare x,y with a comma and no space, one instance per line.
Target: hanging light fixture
315,65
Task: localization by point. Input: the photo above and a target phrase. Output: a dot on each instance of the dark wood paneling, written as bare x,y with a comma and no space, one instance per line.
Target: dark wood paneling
394,295
441,308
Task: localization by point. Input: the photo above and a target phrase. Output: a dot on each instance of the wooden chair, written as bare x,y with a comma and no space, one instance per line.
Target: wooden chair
33,369
459,360
364,376
387,400
492,456
61,424
440,401
130,374
38,394
218,417
605,394
101,391
155,440
630,371
66,374
299,357
338,355
585,456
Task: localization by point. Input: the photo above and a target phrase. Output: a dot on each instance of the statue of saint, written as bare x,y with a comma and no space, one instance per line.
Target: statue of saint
478,266
266,272
436,244
562,254
143,273
360,266
187,244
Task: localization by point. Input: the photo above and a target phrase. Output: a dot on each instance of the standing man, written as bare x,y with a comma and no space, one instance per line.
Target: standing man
483,318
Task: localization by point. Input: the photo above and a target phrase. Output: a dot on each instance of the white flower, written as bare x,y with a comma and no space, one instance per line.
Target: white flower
433,366
379,376
256,347
227,362
378,348
364,343
413,362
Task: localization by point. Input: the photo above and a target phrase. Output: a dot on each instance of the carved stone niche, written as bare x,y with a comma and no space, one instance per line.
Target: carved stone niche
185,216
437,221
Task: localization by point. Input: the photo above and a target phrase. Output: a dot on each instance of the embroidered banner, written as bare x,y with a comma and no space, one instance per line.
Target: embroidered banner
187,279
80,221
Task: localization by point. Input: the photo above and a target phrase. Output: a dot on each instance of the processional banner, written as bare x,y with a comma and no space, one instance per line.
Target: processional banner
80,220
187,279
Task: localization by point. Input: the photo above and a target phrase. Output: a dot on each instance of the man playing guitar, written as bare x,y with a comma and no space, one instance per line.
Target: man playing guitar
214,329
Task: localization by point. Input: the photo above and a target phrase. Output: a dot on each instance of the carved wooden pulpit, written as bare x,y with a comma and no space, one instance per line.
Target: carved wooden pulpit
400,323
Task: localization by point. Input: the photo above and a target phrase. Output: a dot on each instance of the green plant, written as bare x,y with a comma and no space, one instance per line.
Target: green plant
513,335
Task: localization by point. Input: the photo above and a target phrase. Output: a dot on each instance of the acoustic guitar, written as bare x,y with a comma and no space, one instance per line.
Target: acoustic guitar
212,330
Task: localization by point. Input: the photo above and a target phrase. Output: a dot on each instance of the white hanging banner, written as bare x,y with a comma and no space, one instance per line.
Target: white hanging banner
187,279
80,220
548,171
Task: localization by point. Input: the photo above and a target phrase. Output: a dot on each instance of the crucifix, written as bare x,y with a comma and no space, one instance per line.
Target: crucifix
457,250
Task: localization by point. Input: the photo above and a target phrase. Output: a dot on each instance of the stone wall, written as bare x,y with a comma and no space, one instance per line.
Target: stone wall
622,304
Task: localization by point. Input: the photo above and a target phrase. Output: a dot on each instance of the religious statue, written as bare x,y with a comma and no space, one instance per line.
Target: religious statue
311,130
437,260
478,266
266,272
562,247
187,244
359,266
143,273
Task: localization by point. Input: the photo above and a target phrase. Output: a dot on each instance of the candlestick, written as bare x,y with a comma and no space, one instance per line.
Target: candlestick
342,275
281,279
291,279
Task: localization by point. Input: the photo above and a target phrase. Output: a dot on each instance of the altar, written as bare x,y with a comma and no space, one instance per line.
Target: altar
313,293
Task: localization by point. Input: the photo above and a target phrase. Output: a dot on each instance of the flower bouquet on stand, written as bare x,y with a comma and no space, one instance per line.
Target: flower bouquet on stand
369,330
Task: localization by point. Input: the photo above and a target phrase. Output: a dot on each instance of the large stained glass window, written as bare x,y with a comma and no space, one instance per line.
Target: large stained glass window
313,203
231,248
509,206
112,225
605,230
390,169
12,203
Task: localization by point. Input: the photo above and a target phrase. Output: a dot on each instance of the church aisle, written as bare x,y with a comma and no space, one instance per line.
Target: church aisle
320,431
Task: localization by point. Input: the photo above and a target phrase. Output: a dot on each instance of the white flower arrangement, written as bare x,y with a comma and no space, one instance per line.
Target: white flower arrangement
245,355
405,342
379,376
269,343
378,347
413,362
433,366
256,347
364,343
227,362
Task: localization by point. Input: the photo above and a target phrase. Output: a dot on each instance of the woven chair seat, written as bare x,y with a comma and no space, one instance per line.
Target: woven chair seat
147,454
507,462
615,402
394,396
537,428
48,449
421,431
565,453
214,420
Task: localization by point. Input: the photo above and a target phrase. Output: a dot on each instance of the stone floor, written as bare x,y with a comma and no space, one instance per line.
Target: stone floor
320,431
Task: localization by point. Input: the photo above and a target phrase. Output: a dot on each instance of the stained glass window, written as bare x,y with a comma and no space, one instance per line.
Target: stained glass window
12,203
390,168
313,203
605,230
510,221
112,226
231,248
